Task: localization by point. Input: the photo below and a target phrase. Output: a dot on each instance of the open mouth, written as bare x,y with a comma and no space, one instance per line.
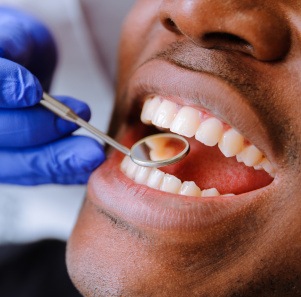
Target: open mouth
221,161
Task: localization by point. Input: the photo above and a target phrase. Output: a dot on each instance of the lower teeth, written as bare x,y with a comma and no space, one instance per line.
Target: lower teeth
157,179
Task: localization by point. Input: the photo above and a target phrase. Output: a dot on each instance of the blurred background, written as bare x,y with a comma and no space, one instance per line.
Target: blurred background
87,34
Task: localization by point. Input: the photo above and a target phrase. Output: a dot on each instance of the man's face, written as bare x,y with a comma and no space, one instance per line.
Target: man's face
227,75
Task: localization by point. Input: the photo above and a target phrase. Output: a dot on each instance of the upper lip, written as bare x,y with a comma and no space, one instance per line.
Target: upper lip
201,90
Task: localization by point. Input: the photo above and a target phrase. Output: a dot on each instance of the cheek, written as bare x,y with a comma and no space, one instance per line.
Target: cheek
135,35
107,259
103,260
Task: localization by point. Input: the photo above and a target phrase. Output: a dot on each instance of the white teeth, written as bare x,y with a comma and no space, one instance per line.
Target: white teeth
165,114
267,166
156,179
171,184
124,163
131,169
149,109
186,122
142,174
231,143
210,132
190,189
210,193
190,122
250,156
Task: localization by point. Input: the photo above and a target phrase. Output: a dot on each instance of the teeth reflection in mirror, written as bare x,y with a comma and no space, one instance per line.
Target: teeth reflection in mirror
149,109
231,143
210,192
186,122
171,184
190,189
250,156
155,179
165,114
210,132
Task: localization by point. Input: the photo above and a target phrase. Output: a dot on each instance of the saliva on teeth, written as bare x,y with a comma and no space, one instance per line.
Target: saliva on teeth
157,179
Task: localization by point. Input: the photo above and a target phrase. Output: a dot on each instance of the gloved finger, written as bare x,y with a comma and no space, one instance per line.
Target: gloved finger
68,161
26,41
18,87
36,125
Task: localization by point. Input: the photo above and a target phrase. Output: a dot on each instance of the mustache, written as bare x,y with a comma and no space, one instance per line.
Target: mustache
220,63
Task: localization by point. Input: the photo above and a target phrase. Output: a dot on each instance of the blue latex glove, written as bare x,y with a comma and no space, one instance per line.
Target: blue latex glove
35,145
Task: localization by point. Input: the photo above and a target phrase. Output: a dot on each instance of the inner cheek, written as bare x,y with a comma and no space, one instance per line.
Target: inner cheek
210,169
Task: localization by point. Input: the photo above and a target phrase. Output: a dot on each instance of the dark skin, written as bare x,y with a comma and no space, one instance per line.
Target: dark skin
131,240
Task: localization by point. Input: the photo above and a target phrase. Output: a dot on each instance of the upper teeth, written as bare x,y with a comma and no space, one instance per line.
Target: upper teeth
189,122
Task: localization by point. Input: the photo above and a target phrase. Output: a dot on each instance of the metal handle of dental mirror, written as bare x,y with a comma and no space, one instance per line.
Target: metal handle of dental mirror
139,150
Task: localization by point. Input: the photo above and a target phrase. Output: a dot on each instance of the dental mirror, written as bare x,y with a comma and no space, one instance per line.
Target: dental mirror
152,151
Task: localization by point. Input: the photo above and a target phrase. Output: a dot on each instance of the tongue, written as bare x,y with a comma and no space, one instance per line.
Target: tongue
209,168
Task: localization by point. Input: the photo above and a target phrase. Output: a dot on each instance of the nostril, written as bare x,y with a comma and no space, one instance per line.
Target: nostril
221,40
170,25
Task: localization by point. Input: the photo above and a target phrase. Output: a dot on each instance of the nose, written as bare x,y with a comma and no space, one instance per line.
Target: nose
247,26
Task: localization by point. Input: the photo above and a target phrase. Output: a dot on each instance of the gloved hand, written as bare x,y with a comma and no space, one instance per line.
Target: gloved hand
35,145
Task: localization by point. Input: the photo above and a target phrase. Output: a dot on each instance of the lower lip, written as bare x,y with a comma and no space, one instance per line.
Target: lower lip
141,206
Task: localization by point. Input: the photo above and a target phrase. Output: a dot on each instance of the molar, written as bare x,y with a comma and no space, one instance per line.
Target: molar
250,156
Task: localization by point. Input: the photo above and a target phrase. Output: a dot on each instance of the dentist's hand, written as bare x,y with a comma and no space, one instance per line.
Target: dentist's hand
35,145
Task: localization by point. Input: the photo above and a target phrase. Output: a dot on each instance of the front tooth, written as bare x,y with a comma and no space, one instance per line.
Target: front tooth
131,169
165,114
124,163
190,189
171,184
250,155
231,143
149,109
142,175
186,122
210,192
210,132
155,178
